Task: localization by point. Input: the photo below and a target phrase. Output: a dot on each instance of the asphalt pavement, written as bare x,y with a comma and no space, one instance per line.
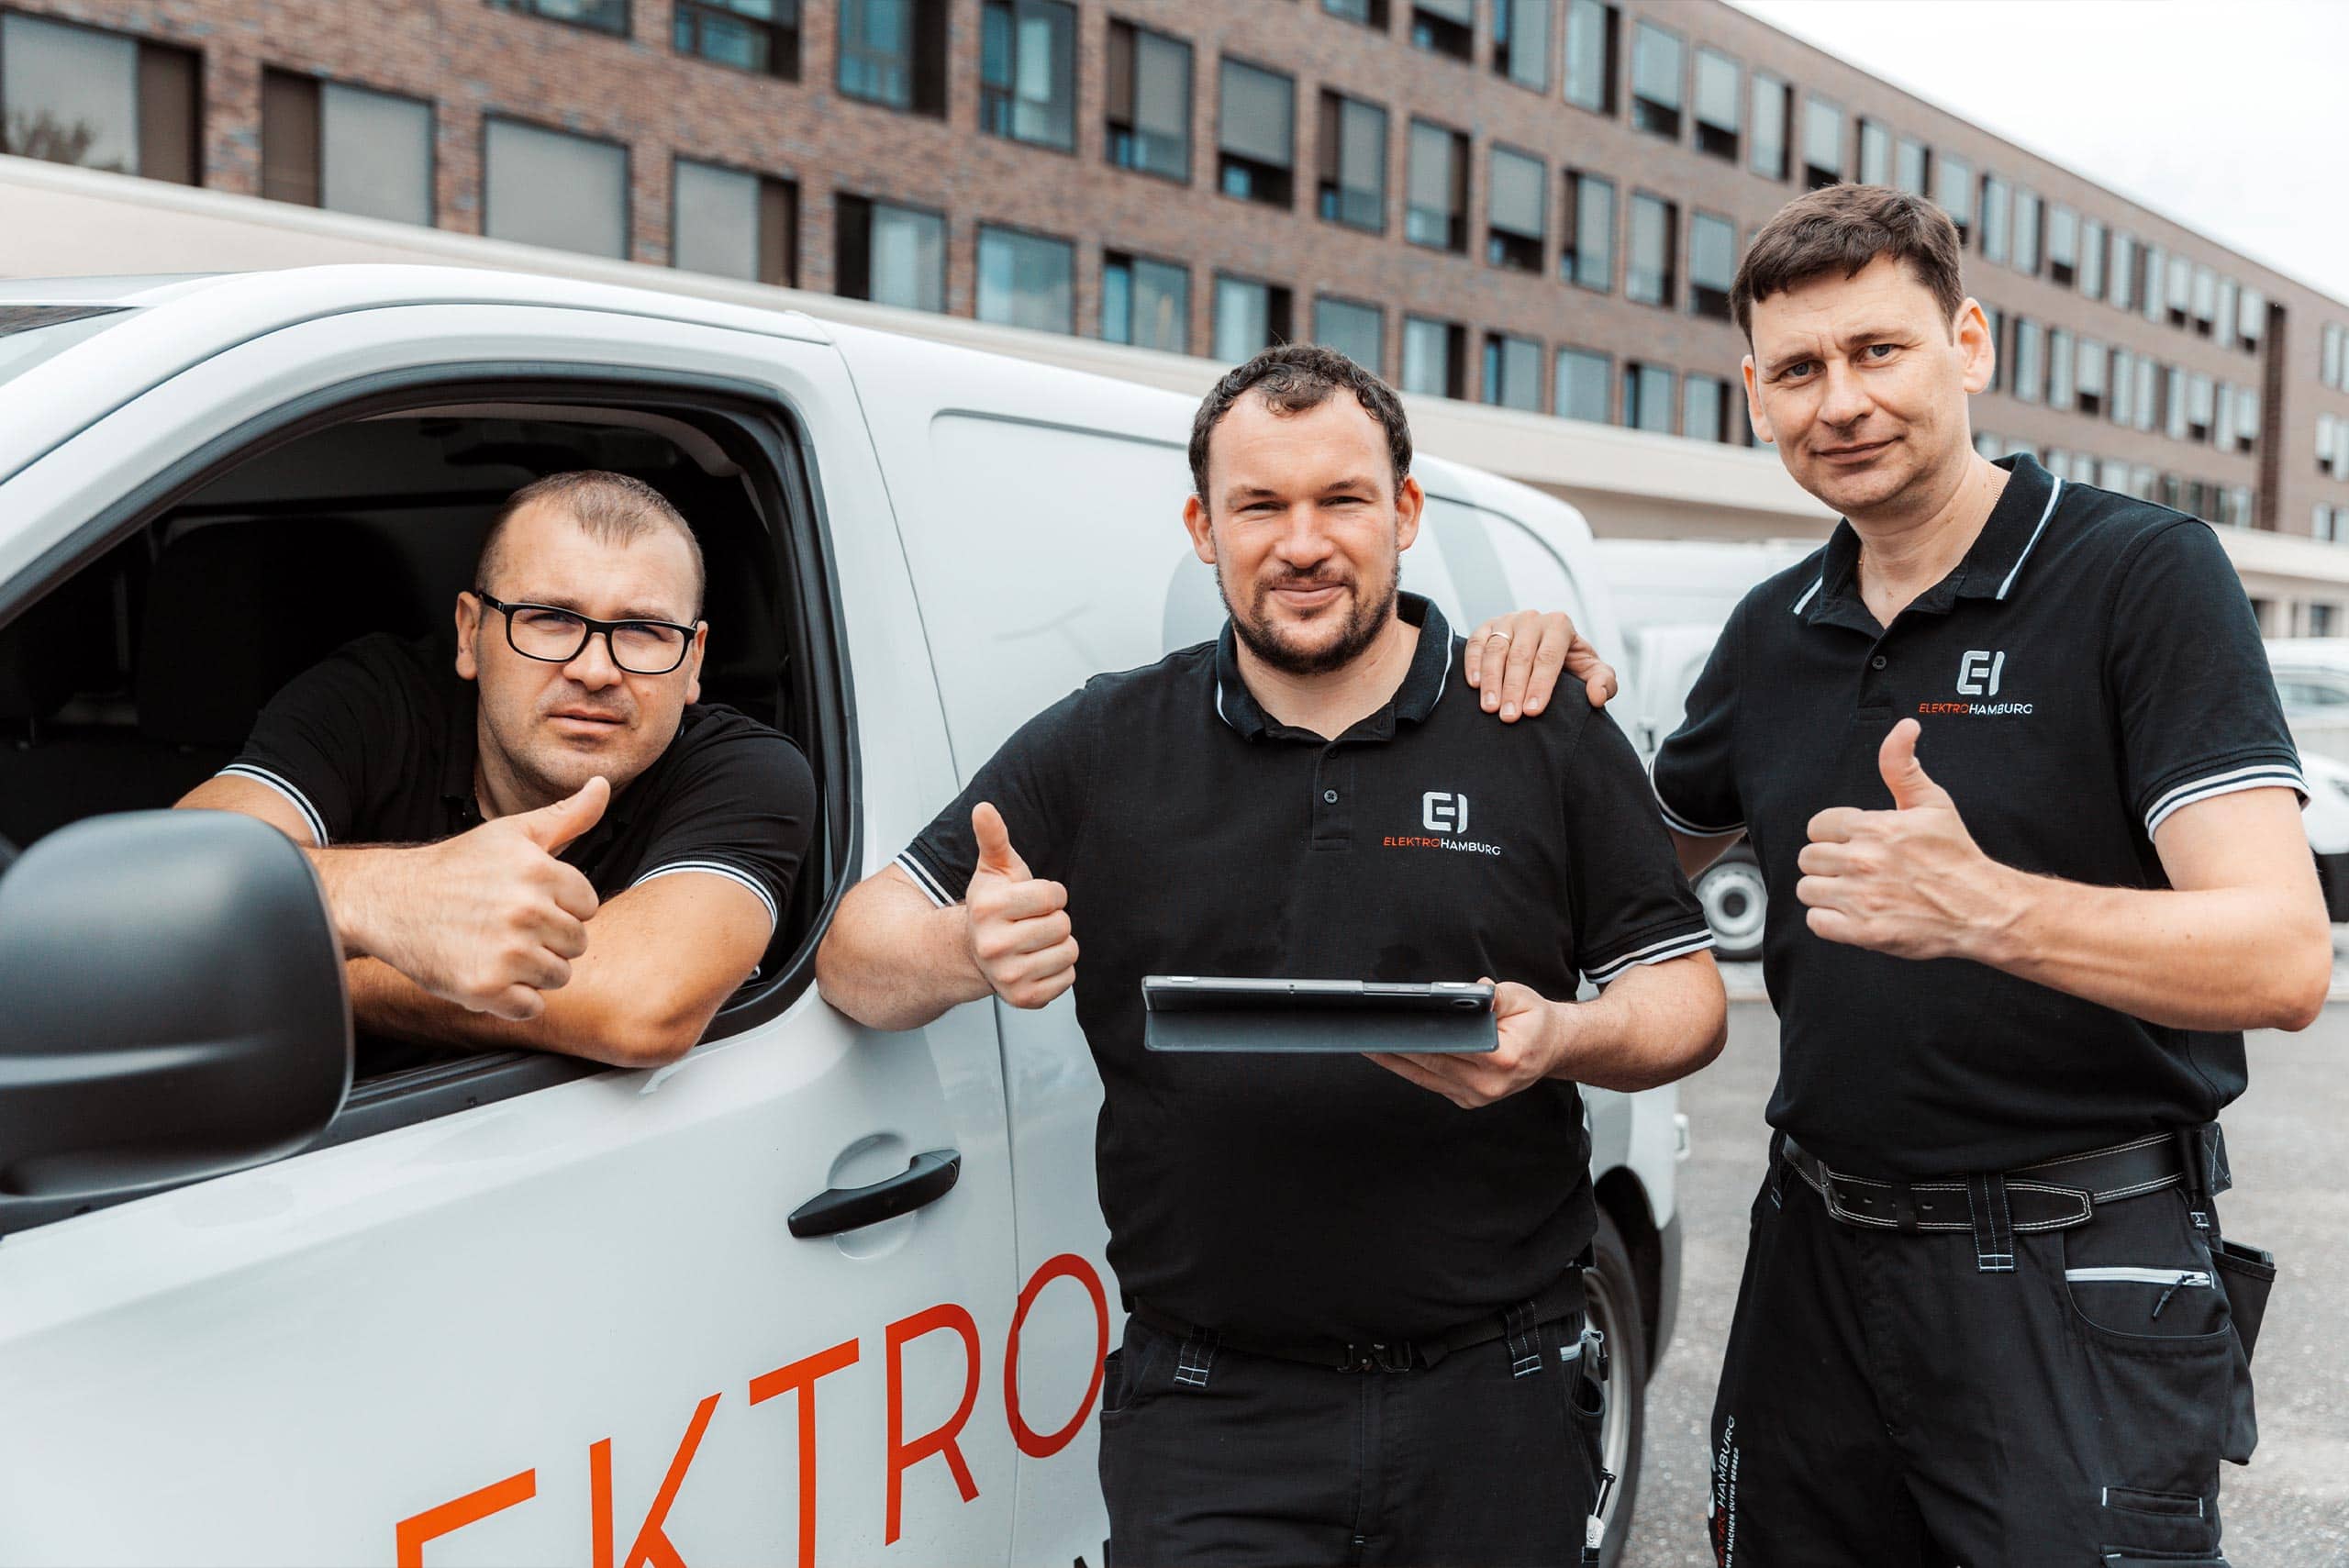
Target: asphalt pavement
2288,1509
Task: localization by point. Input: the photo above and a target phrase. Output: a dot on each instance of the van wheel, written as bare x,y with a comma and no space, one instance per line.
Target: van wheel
1735,903
1613,1293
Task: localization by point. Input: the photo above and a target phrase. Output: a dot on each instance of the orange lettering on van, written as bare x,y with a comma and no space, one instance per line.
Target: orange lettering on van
903,1455
653,1545
410,1534
801,1374
1043,1445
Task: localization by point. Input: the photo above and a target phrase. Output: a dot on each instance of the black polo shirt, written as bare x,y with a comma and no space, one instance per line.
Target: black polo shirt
374,744
2090,667
1292,1197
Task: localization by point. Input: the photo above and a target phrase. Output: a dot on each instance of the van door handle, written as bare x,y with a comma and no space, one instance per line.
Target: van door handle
926,1179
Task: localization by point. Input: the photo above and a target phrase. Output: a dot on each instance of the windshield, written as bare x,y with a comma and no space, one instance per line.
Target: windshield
31,333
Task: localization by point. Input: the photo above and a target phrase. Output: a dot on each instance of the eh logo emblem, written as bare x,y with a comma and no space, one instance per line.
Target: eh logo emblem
1442,812
1975,667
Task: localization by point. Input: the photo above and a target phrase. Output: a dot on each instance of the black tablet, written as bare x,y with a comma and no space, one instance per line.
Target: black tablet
1198,1012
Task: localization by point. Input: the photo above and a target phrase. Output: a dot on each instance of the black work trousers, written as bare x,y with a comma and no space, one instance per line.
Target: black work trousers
1887,1401
1215,1457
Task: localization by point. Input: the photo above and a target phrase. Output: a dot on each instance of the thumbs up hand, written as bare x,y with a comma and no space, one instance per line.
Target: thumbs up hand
1910,882
489,920
1018,925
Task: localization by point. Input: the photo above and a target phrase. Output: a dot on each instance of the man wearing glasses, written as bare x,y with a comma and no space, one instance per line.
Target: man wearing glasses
551,844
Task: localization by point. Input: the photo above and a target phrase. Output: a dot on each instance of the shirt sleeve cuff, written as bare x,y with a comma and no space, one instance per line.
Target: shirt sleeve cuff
301,802
718,868
1679,822
934,886
1680,944
2270,774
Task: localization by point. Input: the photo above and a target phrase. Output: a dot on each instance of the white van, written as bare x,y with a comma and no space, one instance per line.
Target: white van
522,1309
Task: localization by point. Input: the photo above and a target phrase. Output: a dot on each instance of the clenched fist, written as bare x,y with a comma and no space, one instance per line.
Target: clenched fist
1019,924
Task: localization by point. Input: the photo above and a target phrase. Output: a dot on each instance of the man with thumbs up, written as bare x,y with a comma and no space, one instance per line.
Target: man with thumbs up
549,842
1355,1283
2009,754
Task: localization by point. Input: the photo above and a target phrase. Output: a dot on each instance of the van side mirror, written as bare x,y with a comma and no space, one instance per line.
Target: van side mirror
171,1007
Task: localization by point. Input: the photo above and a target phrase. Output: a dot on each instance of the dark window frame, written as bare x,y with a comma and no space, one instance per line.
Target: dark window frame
926,69
1121,136
148,57
1513,250
1280,184
1463,150
784,39
316,83
992,97
840,239
530,8
767,181
1329,190
627,176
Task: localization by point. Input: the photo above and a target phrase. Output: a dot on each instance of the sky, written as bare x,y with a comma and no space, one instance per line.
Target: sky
2228,117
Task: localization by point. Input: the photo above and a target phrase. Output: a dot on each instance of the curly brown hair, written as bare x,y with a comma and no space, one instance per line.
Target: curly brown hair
1294,378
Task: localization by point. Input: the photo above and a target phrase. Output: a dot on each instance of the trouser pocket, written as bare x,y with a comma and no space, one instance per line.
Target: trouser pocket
2246,1274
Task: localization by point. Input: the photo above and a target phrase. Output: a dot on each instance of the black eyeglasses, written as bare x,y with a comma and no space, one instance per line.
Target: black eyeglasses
557,636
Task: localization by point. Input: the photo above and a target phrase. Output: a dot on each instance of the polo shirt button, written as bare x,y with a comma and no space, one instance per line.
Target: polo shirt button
1330,795
1878,662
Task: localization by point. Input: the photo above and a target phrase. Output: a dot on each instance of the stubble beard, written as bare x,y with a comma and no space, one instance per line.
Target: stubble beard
1255,628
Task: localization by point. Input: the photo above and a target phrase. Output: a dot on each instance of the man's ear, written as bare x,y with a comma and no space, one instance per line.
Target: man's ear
1753,414
1200,527
693,661
1977,347
1410,502
469,611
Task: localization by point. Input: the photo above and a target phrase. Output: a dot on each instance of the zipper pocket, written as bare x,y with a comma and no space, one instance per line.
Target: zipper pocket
2174,1278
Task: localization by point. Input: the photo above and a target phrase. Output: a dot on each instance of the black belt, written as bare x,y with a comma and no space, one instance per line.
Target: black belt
1564,1299
2052,1194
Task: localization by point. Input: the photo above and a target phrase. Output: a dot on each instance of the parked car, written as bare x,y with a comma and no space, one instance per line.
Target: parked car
520,1308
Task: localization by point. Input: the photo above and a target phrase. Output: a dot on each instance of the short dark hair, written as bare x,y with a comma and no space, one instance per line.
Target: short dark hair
1841,228
611,508
1294,378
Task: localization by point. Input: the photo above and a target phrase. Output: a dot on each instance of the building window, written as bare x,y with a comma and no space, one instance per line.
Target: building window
1705,408
2026,236
894,52
1249,316
1912,167
2179,294
1519,215
72,95
1353,164
2320,619
1649,273
2122,281
1647,397
1521,41
548,188
345,148
2202,407
2251,319
1436,214
2091,278
1594,35
1586,250
2205,308
2148,387
1658,63
1150,101
2060,366
2124,387
1256,133
1369,13
1998,213
734,225
2325,427
2329,355
1028,72
753,35
890,255
2174,402
1773,103
601,16
2221,325
1954,191
1354,329
1876,154
2156,292
2089,376
1712,264
1822,143
1512,372
1581,389
2030,381
1433,355
1146,303
1026,280
1445,27
2062,245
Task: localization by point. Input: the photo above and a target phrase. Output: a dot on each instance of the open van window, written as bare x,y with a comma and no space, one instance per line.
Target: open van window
134,678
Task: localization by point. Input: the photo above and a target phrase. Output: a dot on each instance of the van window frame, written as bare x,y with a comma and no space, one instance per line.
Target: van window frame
766,435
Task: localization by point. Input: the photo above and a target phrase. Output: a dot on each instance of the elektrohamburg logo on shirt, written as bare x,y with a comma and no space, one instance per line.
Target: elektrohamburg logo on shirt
1980,672
1444,812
